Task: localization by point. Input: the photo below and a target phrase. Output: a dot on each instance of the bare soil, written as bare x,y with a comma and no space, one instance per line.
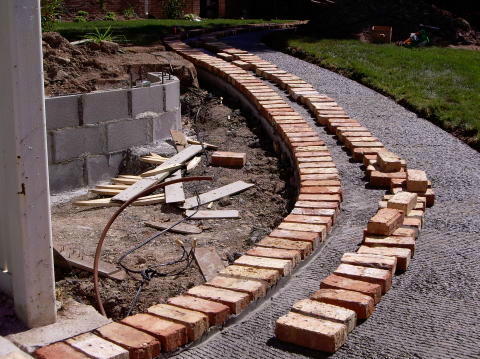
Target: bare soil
91,66
261,208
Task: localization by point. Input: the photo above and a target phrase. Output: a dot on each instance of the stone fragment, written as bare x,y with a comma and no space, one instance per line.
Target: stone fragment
305,248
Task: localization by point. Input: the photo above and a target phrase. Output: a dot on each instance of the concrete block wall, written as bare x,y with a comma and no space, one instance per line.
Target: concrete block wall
89,134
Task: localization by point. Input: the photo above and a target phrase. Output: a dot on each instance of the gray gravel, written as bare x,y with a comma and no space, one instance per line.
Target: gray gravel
432,310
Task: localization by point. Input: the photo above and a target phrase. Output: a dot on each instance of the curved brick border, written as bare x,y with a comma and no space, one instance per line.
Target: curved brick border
323,321
188,316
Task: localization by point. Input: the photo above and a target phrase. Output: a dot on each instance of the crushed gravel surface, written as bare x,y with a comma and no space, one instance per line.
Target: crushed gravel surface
432,309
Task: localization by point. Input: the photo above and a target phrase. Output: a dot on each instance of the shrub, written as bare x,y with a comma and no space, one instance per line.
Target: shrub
110,16
50,10
174,9
129,13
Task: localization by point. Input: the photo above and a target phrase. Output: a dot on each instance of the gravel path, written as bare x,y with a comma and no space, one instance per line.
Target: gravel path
432,310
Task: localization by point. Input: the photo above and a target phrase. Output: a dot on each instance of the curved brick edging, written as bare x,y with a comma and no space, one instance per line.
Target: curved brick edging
187,317
356,286
88,134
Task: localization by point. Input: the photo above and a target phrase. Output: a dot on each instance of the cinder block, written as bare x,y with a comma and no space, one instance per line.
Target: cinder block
105,106
69,143
62,111
147,99
163,123
172,95
102,167
127,133
66,176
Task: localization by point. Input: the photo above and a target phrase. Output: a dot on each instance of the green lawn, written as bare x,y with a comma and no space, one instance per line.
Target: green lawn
145,31
441,84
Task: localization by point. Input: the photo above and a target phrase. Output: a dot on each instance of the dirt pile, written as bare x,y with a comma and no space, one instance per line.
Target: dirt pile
348,17
94,66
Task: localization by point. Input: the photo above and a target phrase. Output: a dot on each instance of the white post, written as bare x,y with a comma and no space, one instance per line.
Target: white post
25,203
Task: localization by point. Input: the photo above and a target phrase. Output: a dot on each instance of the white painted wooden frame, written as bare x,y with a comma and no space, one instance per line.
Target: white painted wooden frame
25,229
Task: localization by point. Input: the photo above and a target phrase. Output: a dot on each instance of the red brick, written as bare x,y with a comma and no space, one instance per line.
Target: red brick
318,205
416,181
313,333
385,221
371,260
320,197
195,322
171,335
282,265
235,301
361,304
334,281
139,344
305,248
269,276
298,218
383,180
311,237
228,159
303,227
217,313
403,201
403,255
255,289
390,241
293,255
59,350
315,212
367,274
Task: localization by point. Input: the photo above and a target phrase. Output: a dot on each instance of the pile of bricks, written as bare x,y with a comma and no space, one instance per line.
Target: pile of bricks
350,293
185,318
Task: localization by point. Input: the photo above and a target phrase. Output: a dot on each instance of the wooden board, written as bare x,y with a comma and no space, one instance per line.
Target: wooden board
144,183
216,194
66,258
209,214
182,228
174,193
179,139
209,262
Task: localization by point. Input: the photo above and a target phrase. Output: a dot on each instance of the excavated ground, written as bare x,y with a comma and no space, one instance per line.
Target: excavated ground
432,309
261,208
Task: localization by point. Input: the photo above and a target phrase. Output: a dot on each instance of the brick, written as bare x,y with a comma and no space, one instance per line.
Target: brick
59,350
255,289
316,228
235,301
315,211
281,265
228,159
325,158
269,276
430,197
321,189
195,322
98,348
388,161
62,111
292,255
318,205
361,304
140,345
313,308
404,232
170,335
390,241
371,260
127,133
299,218
305,248
385,221
412,222
403,201
311,237
417,181
382,277
319,176
320,170
217,313
403,255
334,281
105,106
72,142
359,152
313,333
319,197
383,180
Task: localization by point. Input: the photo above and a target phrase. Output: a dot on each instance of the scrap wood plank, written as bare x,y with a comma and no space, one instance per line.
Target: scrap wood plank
208,261
179,139
216,194
174,193
212,214
206,145
193,163
107,202
181,228
67,258
144,183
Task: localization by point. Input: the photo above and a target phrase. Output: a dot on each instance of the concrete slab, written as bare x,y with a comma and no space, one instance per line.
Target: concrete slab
10,351
75,319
